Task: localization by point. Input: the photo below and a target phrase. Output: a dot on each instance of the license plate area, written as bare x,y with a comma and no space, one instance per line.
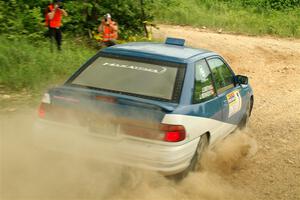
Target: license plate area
103,128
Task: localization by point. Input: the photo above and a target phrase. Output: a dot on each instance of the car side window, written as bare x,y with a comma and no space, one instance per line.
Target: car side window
223,76
203,89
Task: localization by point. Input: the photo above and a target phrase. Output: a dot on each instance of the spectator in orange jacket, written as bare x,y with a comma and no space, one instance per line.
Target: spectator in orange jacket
109,30
53,21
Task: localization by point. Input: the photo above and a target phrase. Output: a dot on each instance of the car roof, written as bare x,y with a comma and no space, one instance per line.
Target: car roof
160,51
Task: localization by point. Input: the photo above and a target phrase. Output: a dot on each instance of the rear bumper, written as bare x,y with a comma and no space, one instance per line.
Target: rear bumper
158,156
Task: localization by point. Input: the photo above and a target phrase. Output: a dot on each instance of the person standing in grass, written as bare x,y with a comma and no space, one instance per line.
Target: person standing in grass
109,30
53,18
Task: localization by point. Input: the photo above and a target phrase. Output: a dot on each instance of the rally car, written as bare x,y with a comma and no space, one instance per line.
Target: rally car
155,106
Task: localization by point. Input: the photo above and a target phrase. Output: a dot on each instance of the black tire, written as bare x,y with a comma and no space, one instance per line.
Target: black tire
195,164
244,122
202,146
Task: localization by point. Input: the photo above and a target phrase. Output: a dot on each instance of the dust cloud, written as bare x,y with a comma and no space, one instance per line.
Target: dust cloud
31,172
229,154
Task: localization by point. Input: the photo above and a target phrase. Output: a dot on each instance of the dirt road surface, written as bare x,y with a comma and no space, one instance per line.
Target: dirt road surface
262,162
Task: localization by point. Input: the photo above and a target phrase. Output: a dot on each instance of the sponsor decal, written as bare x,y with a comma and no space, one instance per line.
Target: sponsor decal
132,67
207,91
234,102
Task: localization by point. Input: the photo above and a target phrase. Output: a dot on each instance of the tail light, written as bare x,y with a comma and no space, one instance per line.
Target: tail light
173,133
42,110
106,99
164,132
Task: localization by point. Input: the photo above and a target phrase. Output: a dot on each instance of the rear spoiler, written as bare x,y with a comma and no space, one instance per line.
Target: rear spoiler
123,98
143,103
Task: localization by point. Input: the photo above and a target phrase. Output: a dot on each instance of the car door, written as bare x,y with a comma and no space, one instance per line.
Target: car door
205,103
228,93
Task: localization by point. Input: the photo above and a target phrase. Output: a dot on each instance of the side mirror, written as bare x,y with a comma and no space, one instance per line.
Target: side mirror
242,80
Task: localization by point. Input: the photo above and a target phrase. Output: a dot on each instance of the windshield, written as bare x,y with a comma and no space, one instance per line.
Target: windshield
133,77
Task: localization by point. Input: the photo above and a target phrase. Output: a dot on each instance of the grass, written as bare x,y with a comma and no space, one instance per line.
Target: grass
32,66
232,18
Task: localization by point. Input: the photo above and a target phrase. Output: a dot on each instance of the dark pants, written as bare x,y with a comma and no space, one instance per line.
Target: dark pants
55,33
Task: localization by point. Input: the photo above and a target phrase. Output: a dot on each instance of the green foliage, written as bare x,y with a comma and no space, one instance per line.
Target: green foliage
33,66
25,57
127,13
263,4
255,17
272,4
20,20
25,18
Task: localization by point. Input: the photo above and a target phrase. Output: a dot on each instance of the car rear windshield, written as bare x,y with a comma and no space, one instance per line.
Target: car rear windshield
138,78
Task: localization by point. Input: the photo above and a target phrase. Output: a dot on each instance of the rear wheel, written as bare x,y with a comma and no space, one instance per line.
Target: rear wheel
195,164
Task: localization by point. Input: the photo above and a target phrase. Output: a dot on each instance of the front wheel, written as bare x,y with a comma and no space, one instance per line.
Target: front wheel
244,122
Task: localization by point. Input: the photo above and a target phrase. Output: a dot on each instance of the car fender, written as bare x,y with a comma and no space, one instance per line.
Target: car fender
195,126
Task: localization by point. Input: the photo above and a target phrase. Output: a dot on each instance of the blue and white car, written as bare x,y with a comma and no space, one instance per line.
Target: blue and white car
155,106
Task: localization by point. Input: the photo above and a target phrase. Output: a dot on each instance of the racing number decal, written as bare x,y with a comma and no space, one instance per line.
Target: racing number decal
234,102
